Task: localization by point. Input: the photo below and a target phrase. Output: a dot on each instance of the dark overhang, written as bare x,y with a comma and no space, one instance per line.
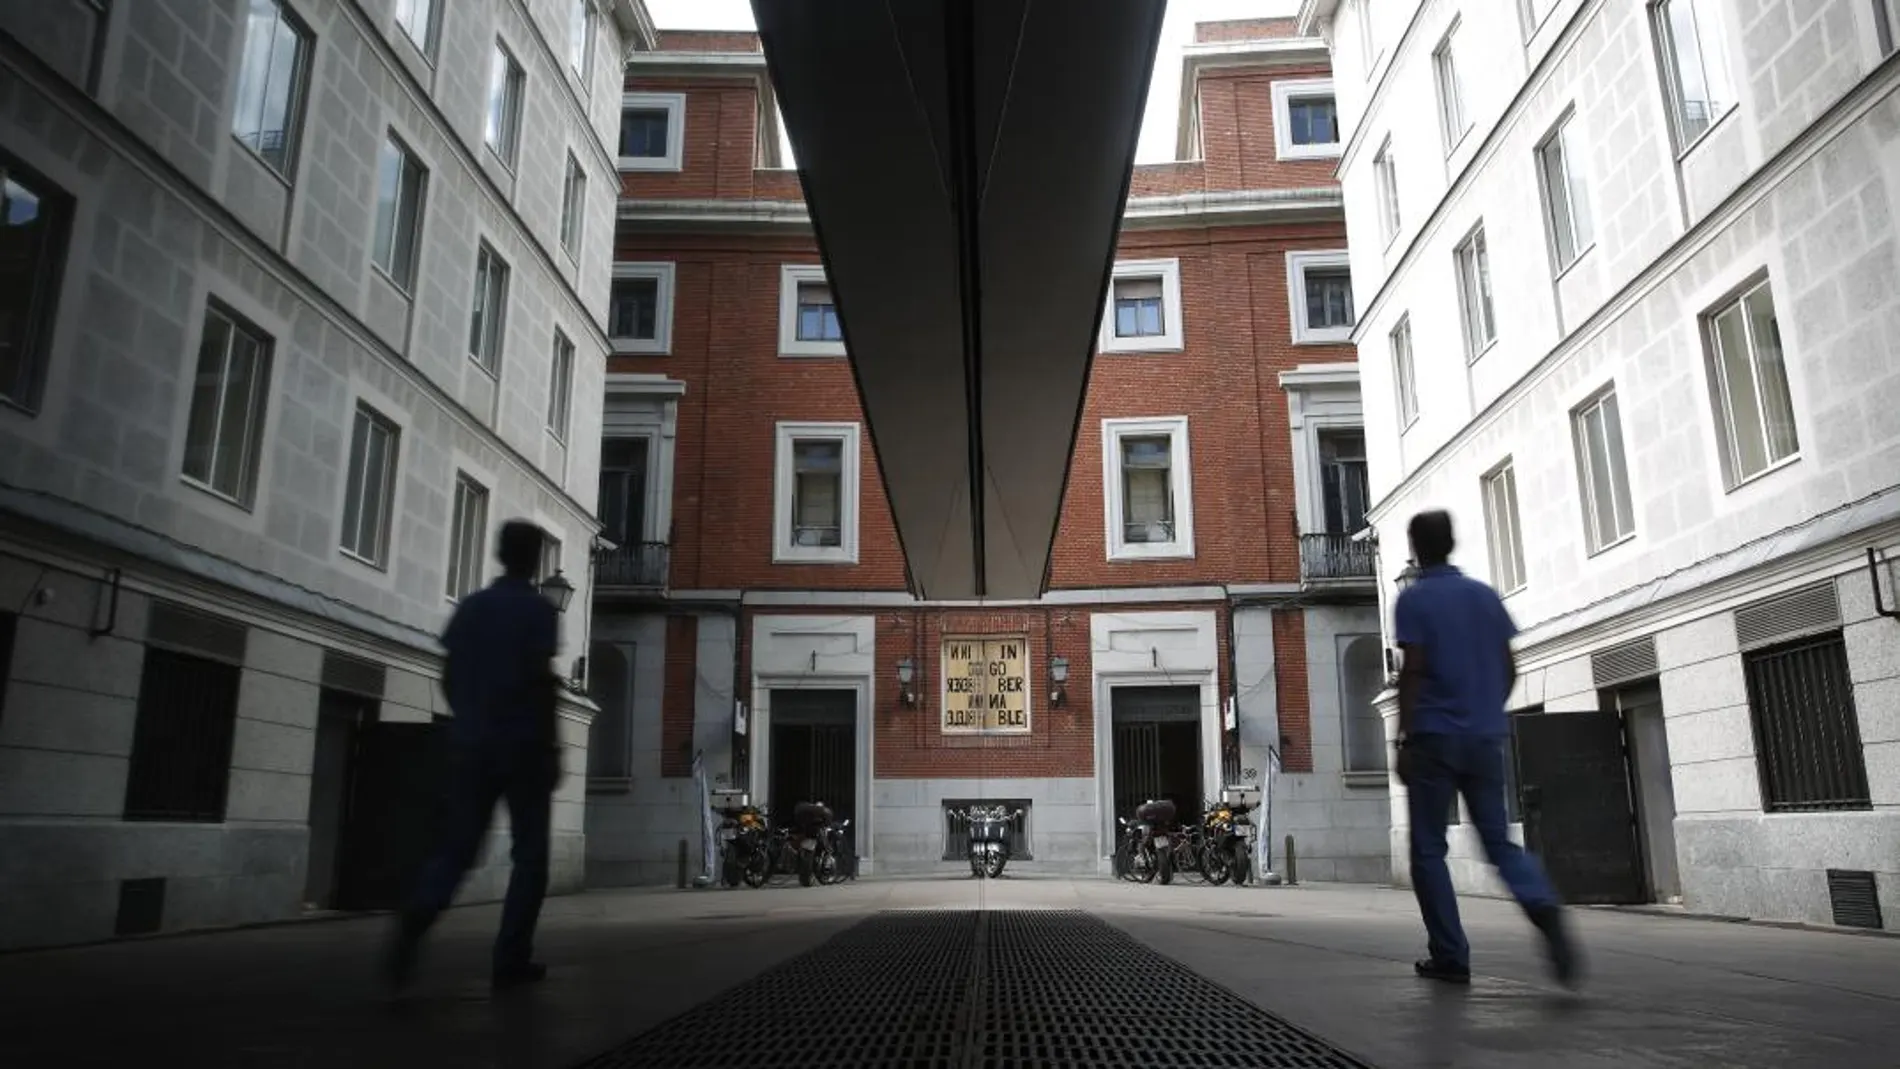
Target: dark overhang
966,164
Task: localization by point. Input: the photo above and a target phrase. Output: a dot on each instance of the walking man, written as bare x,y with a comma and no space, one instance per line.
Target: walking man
501,686
1456,636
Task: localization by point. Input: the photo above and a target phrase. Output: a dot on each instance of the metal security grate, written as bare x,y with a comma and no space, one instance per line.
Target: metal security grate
1624,664
1808,611
1854,897
1061,990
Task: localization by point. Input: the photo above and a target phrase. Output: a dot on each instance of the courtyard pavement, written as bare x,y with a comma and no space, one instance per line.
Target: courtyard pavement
1336,960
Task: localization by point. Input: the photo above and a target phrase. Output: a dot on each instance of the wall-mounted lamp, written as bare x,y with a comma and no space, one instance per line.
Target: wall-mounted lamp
906,671
1058,677
557,590
1407,577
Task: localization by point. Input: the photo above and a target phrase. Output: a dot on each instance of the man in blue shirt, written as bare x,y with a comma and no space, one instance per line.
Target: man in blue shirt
1455,636
501,686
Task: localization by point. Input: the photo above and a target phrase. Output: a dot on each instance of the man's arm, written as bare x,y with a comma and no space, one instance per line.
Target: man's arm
1411,678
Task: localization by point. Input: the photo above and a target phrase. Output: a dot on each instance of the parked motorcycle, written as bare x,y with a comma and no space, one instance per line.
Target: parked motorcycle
992,836
809,823
1155,818
1228,851
743,848
835,861
1134,854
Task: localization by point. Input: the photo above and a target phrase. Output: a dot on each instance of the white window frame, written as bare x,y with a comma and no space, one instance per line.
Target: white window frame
1404,372
1284,94
1385,175
296,105
1171,338
1587,484
790,277
255,440
1503,527
431,25
514,105
661,343
1370,50
1477,306
1576,196
583,10
573,208
1533,19
1297,264
487,350
1181,484
1454,121
1721,401
1886,26
560,385
1669,50
468,550
386,504
674,104
403,278
846,551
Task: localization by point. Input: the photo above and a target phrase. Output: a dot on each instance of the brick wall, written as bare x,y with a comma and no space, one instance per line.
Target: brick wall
720,147
910,742
676,705
708,41
1237,139
1296,711
1232,30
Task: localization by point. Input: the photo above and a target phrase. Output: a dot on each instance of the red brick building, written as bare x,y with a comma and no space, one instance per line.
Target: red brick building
1209,619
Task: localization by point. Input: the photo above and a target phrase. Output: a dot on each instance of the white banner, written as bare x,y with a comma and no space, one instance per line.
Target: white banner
708,830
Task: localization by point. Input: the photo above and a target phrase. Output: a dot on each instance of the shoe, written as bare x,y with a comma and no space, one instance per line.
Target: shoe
1558,945
531,972
1445,971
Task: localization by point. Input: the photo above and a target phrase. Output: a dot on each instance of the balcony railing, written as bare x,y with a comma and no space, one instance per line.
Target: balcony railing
634,566
1335,557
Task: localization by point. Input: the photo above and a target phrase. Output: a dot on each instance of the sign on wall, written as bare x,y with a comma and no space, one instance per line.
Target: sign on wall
986,686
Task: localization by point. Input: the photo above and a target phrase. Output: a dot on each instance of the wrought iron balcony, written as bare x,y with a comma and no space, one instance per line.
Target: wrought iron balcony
633,566
1333,558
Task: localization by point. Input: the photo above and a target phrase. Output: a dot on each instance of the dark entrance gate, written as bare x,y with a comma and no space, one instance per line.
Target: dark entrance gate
1573,777
1157,748
814,750
395,804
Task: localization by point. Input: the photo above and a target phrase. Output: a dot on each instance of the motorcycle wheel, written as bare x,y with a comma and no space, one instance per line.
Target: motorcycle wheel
993,865
1164,867
976,865
729,867
758,870
830,871
805,869
1143,865
1243,863
1214,865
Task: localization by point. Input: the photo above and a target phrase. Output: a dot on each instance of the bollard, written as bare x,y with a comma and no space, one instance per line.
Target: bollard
1292,865
681,881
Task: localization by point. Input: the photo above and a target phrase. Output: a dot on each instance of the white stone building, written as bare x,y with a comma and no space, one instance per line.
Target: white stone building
301,300
1630,289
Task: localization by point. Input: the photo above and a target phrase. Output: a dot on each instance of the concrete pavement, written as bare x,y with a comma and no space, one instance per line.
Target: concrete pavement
1335,960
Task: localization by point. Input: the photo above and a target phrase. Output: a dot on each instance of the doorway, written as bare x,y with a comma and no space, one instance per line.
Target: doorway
1157,748
393,807
813,753
1653,786
340,720
1578,817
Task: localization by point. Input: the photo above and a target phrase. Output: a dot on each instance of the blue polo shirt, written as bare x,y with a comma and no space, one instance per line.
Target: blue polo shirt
1463,627
499,642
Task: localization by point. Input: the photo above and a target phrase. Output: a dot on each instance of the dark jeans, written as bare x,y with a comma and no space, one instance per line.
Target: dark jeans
479,776
1443,767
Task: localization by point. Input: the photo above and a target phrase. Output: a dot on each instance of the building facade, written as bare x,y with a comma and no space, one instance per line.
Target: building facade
1209,618
303,299
1631,311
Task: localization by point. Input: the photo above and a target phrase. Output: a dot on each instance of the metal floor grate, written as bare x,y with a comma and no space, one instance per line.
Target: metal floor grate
947,990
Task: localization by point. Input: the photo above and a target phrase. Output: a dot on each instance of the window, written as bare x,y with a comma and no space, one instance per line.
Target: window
1320,291
808,323
369,498
1385,170
271,83
1598,429
1403,374
1474,294
1148,488
1361,678
225,435
506,85
550,563
1345,493
1748,383
490,305
401,184
573,207
468,534
580,39
1566,207
1369,50
1501,528
1305,119
1695,57
1451,93
180,768
35,222
1807,731
610,684
1535,12
816,495
1144,308
418,19
640,308
560,386
652,131
623,491
1886,24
